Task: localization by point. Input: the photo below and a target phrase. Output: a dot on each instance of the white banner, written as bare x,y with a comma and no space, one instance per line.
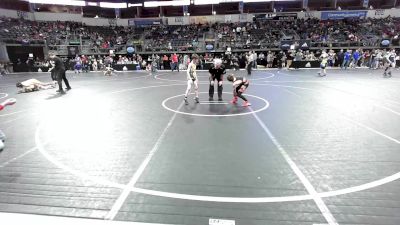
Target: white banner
183,20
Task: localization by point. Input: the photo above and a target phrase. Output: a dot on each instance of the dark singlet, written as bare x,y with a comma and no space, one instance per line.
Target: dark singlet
245,83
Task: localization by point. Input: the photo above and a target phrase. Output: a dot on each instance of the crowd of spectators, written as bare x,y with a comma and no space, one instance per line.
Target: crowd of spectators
65,33
345,59
173,38
256,35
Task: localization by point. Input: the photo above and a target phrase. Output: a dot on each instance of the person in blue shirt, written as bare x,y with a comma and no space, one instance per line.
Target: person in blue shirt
346,60
356,58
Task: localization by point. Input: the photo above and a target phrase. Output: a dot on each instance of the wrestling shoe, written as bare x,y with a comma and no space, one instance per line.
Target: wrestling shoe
246,103
10,101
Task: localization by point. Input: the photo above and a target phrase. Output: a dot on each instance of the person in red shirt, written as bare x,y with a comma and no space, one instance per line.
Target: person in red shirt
175,62
85,65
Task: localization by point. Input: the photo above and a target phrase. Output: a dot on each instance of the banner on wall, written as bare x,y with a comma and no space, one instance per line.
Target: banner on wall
276,16
379,12
184,20
286,16
142,22
339,15
199,19
22,14
309,15
295,45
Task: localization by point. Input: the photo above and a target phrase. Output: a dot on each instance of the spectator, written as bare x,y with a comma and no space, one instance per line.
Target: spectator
175,62
347,59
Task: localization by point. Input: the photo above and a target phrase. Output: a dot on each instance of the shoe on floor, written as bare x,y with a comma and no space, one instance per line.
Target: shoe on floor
245,104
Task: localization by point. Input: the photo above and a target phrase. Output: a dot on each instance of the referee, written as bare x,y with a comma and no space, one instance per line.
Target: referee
59,73
217,72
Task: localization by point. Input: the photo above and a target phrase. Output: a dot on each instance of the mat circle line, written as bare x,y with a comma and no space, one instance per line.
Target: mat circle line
4,95
217,115
292,198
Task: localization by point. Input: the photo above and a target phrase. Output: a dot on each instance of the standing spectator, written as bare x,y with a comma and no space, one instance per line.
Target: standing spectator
254,55
378,59
30,64
165,62
346,59
249,62
94,65
2,69
372,59
283,60
366,58
270,59
201,62
78,64
331,58
340,58
174,62
235,62
356,58
85,64
289,59
261,57
298,57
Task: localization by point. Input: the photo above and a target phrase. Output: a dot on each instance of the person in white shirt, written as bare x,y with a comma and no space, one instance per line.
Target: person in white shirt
324,62
94,65
238,29
192,79
255,60
389,61
270,59
249,62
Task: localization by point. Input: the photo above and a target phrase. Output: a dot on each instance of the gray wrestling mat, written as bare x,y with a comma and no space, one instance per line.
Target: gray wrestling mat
309,150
